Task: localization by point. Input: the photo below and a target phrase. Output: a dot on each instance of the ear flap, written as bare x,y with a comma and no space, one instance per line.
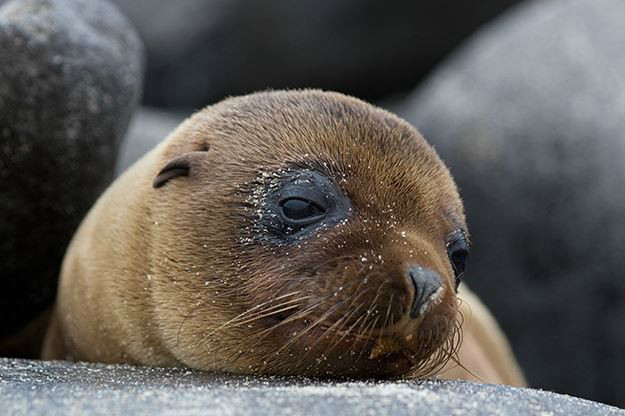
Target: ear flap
177,167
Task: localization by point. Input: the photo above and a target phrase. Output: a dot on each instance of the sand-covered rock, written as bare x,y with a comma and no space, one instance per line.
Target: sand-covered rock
61,388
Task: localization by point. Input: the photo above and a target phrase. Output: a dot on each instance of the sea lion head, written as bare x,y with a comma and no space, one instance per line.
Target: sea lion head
305,232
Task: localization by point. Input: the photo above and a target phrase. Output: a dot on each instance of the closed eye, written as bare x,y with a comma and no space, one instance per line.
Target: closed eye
301,210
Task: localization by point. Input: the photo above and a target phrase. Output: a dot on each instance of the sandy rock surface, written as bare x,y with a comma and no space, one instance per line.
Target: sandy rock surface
62,388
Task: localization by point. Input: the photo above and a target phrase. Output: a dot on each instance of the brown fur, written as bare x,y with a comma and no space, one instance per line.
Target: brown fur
185,275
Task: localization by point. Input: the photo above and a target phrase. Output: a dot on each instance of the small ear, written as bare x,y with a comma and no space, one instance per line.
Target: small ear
177,167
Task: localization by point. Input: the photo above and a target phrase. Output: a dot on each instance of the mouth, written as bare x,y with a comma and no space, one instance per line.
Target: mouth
391,346
325,351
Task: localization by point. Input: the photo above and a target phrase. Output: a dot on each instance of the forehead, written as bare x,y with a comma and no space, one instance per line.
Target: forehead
378,159
283,126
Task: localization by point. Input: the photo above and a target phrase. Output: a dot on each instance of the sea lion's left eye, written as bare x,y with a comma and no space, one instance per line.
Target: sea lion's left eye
458,252
301,210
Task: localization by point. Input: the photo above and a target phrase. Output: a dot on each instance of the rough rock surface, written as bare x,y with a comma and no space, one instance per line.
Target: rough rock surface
530,117
69,80
56,387
201,51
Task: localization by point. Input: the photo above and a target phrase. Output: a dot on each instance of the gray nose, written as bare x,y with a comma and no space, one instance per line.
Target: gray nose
426,282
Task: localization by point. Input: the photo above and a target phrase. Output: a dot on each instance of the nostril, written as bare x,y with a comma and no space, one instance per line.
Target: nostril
426,283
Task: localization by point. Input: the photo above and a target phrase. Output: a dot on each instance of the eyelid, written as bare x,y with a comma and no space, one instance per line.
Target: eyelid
308,220
299,198
312,187
303,221
311,194
458,236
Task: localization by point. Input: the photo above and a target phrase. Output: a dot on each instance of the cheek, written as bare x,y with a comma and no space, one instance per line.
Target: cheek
448,279
347,292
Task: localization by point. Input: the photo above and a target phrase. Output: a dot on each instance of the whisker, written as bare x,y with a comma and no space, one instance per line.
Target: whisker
327,331
388,312
364,344
243,314
261,335
325,316
269,311
266,314
338,332
184,320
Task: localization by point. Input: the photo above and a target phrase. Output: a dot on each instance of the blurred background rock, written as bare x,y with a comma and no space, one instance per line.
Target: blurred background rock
526,105
201,51
70,77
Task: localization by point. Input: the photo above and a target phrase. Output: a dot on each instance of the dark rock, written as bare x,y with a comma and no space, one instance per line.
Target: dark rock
69,80
148,127
530,117
201,51
56,387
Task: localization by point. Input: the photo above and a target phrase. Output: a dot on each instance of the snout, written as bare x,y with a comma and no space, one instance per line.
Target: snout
427,285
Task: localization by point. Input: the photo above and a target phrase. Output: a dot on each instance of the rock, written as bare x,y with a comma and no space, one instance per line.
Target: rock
530,117
70,77
148,127
201,51
56,387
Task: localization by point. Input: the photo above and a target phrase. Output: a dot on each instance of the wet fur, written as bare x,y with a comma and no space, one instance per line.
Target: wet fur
184,274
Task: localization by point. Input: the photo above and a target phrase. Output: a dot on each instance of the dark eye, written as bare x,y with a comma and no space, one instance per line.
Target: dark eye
299,203
301,210
458,252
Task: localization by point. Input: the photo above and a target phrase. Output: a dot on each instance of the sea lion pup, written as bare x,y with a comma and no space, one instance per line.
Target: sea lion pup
299,232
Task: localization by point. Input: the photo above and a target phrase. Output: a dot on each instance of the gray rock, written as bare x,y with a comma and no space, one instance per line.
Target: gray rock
530,117
148,127
200,51
70,77
61,388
